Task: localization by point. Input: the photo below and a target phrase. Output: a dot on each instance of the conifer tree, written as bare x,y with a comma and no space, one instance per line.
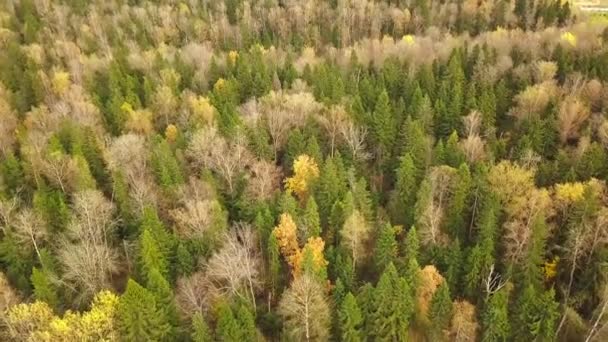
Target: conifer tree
44,289
393,307
139,318
151,256
456,211
246,322
403,197
385,252
311,220
495,318
535,315
200,329
384,124
351,320
227,328
161,289
274,262
440,312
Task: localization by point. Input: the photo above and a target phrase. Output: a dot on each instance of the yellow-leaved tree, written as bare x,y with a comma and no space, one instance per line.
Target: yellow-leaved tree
37,322
286,233
305,171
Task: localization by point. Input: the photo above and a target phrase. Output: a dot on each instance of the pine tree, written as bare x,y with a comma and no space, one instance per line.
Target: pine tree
440,312
384,124
11,173
411,266
311,220
535,315
351,320
165,166
227,328
393,307
246,322
139,318
495,318
452,154
457,216
366,301
200,329
151,256
274,263
44,289
385,252
403,196
414,141
161,289
331,186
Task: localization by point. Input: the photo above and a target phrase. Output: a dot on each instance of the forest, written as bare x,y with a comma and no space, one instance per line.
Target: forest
303,170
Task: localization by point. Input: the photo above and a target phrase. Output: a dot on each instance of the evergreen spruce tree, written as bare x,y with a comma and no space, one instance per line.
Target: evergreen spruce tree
274,263
403,197
457,214
393,307
311,219
139,318
385,252
200,329
351,320
384,124
440,312
227,328
161,289
246,322
495,317
44,288
151,256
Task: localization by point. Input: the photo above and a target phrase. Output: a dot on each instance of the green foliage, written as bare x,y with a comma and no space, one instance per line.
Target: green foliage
385,252
200,329
440,312
351,320
495,318
393,307
139,316
165,166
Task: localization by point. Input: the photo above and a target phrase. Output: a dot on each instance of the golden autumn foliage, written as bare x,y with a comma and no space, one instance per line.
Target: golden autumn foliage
286,233
37,322
569,192
430,279
305,172
60,82
138,121
550,268
171,133
464,326
315,246
233,56
569,38
203,111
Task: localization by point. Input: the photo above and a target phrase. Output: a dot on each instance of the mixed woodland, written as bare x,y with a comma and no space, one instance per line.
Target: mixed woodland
303,170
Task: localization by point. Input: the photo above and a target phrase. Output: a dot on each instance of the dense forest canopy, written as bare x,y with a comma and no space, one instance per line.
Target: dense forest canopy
303,170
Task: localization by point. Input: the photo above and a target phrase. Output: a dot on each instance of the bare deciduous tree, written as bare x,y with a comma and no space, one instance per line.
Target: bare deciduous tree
235,268
264,181
88,256
226,158
354,137
305,310
197,217
30,229
572,114
355,235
